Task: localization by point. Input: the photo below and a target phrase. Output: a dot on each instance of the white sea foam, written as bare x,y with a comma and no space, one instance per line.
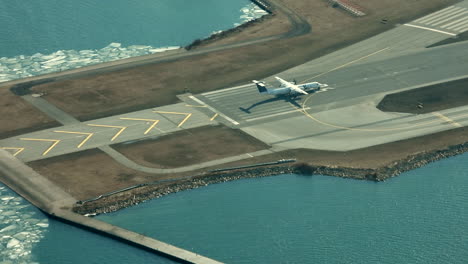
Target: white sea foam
25,66
21,227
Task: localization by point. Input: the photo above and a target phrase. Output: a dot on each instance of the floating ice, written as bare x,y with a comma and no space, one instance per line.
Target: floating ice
251,12
13,243
43,224
18,227
8,228
25,66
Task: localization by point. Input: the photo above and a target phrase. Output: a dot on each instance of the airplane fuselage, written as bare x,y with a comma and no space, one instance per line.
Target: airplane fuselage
288,88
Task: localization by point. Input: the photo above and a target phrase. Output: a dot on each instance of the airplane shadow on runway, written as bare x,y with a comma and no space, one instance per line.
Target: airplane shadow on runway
289,99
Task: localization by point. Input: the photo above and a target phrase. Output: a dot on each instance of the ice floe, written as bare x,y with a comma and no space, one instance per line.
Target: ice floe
249,13
25,66
21,226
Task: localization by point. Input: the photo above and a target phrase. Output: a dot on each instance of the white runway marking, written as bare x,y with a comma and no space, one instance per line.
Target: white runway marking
435,15
431,29
228,89
448,19
277,114
455,23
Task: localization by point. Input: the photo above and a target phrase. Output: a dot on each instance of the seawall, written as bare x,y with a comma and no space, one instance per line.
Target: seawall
56,203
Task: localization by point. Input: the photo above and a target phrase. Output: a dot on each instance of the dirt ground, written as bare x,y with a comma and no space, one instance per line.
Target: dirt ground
190,147
91,173
430,98
158,84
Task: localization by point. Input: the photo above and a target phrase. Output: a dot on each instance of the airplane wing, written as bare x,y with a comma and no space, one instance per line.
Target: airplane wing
291,86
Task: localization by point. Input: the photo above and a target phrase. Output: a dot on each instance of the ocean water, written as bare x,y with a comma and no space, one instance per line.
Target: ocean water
418,217
40,37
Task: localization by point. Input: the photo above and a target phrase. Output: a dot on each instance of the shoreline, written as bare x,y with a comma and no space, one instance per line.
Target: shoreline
135,196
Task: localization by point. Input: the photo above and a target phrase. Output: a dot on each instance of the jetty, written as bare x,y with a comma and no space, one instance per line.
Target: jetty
57,203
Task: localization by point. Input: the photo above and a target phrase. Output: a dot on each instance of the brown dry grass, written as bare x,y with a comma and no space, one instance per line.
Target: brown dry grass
18,117
158,84
190,147
91,173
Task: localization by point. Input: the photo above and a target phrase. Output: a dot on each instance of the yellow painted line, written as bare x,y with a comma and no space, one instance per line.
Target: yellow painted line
189,105
56,141
187,116
346,64
447,119
213,118
122,128
79,133
155,122
185,119
18,150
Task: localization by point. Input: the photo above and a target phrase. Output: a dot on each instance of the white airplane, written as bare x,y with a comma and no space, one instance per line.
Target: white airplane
289,88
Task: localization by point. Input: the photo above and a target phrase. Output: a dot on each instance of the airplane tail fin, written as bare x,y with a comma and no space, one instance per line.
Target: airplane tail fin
260,86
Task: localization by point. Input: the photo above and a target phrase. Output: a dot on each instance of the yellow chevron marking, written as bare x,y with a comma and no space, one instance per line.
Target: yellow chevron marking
56,141
187,116
116,135
155,122
18,150
447,119
79,133
213,118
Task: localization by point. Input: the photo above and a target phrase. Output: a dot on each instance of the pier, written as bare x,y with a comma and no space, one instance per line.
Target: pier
56,203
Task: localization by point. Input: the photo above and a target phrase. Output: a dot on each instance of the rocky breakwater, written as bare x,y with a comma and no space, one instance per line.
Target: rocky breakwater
151,191
156,190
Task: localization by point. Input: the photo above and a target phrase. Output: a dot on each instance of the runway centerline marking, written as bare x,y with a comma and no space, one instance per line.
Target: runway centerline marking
346,64
18,150
79,133
431,29
446,119
56,141
122,128
155,122
214,110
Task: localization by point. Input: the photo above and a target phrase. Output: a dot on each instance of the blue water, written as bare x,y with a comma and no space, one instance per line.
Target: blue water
40,37
419,217
31,26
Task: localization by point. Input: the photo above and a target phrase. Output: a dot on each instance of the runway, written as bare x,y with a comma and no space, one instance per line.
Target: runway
341,118
246,106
